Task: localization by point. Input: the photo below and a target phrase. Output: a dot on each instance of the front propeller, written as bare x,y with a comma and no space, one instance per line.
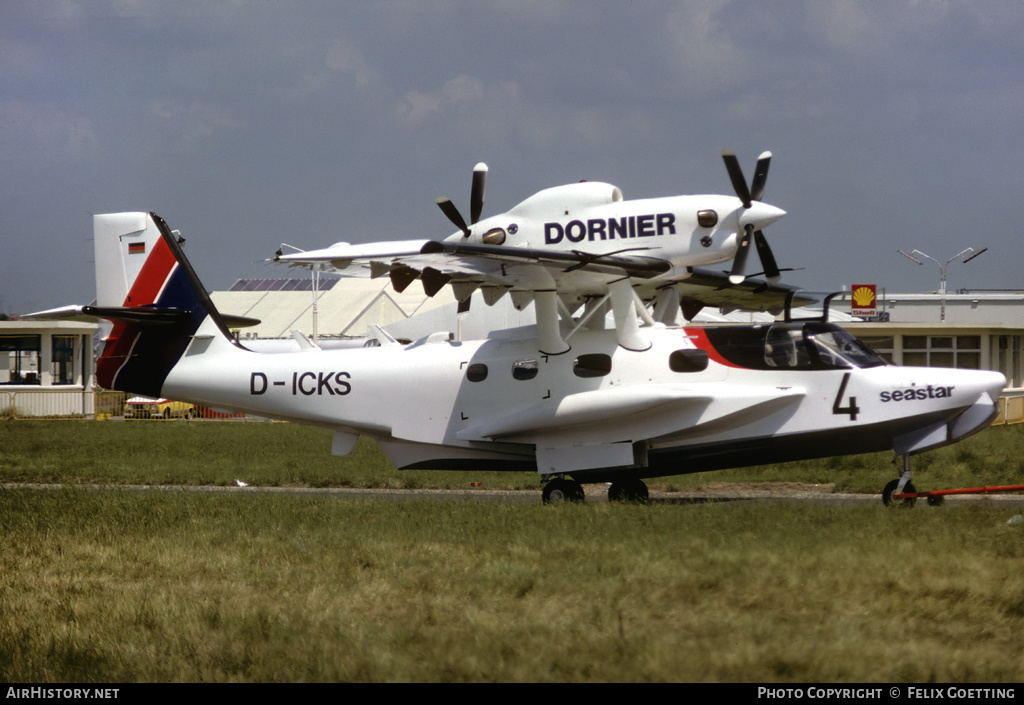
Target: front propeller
756,215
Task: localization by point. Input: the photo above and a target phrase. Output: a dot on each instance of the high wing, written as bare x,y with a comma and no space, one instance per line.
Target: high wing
579,240
497,270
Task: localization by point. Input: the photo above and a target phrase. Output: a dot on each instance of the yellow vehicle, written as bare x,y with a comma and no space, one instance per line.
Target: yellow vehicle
149,408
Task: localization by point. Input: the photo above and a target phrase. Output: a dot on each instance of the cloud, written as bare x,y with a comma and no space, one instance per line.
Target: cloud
347,58
417,107
191,121
47,130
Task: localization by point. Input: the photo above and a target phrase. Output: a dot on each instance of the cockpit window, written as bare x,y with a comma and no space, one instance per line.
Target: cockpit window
808,345
837,348
784,348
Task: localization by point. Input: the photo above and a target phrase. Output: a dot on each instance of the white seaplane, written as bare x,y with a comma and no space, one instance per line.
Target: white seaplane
568,398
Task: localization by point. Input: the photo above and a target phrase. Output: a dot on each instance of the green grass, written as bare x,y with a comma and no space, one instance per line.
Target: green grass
195,586
209,453
275,454
128,586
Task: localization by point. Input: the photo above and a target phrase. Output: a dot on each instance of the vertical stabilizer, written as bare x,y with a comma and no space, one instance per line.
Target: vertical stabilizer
148,289
122,242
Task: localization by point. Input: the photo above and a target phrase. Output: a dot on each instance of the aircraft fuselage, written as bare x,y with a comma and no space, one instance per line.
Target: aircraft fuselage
697,399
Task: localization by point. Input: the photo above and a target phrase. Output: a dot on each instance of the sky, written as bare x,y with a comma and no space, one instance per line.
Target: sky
245,124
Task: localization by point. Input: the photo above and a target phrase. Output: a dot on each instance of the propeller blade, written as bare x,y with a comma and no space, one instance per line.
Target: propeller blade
771,268
739,184
449,209
476,197
760,176
739,264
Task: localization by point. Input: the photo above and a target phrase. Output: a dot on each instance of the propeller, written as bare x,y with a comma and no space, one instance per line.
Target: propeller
476,201
476,207
748,196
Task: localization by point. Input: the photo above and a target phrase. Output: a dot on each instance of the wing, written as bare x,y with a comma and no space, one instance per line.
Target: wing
572,273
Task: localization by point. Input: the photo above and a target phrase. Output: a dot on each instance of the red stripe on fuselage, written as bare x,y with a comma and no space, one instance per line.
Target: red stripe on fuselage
700,339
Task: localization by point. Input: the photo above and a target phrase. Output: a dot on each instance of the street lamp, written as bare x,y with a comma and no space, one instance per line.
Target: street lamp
942,270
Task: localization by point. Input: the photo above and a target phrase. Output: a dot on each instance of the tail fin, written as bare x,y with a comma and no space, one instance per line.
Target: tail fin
147,287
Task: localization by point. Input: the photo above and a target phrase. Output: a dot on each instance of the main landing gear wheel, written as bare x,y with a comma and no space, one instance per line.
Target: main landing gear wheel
905,503
628,491
562,489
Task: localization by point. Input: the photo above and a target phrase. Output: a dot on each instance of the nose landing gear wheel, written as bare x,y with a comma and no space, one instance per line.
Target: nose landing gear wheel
905,503
561,489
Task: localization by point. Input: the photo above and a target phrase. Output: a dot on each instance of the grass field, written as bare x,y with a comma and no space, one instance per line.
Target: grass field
127,586
276,454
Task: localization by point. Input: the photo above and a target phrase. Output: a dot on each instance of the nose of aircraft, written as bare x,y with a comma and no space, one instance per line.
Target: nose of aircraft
993,384
760,215
979,382
980,389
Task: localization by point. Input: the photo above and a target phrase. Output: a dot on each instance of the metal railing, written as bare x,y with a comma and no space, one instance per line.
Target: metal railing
70,405
1011,410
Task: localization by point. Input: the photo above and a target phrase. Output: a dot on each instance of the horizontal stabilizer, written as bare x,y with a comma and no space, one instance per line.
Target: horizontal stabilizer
142,315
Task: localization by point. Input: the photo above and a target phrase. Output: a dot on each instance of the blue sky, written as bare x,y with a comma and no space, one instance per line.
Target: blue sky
247,124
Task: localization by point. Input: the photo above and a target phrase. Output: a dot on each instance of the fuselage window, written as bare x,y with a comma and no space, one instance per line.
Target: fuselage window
688,360
524,369
476,372
707,218
593,365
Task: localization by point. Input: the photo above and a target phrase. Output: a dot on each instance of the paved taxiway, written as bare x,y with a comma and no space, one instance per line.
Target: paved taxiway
718,492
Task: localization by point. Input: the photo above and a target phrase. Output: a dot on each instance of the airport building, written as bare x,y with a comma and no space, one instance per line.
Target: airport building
47,368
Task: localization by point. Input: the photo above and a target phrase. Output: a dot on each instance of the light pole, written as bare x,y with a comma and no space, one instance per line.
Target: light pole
942,270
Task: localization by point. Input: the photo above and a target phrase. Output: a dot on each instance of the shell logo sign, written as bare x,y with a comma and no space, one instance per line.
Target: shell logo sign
863,297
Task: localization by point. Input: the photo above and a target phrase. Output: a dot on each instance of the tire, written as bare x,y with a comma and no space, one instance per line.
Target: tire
890,488
561,490
634,491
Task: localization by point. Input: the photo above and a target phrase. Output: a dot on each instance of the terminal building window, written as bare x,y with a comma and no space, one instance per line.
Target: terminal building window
62,364
963,351
19,359
1010,358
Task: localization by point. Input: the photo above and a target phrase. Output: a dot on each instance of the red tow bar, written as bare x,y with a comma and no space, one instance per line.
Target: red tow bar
965,490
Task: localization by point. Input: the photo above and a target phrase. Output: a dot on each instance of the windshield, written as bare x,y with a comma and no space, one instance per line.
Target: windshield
815,346
837,348
804,345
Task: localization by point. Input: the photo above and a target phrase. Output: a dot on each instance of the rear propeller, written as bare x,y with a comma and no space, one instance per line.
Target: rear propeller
476,207
751,233
476,201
